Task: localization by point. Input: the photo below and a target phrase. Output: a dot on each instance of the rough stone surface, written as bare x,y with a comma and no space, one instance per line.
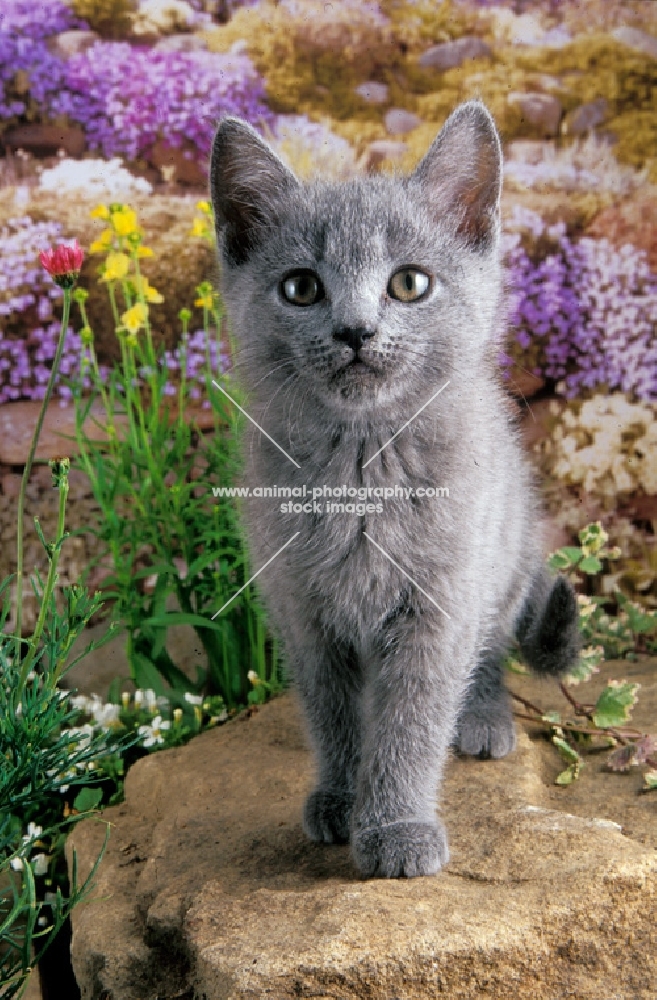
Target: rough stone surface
379,151
588,116
636,39
398,121
181,160
448,55
210,889
373,92
18,420
71,43
543,111
46,140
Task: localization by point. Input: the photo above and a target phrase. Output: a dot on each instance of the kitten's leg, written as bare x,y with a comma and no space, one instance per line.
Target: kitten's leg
413,691
485,726
329,684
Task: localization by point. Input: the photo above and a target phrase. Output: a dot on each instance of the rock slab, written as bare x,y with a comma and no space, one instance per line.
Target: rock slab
209,888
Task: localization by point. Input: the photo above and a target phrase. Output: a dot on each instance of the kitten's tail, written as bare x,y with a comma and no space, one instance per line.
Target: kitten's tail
547,628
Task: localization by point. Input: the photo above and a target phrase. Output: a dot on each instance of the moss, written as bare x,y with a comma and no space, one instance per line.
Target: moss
110,18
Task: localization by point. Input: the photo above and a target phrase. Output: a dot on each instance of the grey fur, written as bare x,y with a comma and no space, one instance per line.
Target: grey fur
387,680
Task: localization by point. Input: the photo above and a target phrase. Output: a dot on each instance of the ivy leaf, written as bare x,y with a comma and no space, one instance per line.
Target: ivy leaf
561,560
566,751
590,565
587,664
650,779
622,758
645,747
552,717
614,706
568,776
87,799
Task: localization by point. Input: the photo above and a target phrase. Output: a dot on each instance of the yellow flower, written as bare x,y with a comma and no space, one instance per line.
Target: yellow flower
116,267
124,220
100,212
133,319
205,301
103,242
145,252
200,227
150,294
204,206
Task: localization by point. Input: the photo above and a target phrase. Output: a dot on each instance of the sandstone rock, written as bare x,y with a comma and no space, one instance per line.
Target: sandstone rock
636,39
209,886
543,111
46,140
18,420
379,151
587,116
448,55
373,92
71,43
180,43
398,121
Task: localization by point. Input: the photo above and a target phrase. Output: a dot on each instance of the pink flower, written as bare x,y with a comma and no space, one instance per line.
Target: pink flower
63,263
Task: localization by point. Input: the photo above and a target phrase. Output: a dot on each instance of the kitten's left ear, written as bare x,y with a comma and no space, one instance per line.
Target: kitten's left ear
461,175
247,180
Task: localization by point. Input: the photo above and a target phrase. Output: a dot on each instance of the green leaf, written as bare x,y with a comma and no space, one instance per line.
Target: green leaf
568,776
650,781
185,618
114,693
614,706
590,565
146,674
559,561
566,751
552,717
88,798
572,552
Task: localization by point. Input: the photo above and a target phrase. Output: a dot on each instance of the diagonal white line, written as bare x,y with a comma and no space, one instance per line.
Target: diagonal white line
370,539
405,426
237,593
257,425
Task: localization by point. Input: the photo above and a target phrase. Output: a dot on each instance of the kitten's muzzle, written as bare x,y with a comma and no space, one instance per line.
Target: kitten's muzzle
353,336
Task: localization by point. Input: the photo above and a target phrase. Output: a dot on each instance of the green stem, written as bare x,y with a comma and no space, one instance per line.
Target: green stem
30,460
51,580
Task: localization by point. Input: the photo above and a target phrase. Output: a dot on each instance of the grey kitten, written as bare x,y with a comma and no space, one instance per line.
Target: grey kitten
352,305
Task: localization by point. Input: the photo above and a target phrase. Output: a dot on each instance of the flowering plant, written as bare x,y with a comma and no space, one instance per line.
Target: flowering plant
152,480
581,312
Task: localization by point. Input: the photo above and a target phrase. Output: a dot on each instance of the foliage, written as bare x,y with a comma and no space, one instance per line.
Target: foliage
604,637
153,481
110,18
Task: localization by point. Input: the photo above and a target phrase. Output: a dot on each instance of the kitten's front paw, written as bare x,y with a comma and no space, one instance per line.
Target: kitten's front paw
326,816
401,849
486,732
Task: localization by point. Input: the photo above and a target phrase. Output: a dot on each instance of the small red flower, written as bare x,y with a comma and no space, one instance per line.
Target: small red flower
63,263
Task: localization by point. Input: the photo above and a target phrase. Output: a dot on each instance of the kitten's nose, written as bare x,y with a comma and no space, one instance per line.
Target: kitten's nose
354,336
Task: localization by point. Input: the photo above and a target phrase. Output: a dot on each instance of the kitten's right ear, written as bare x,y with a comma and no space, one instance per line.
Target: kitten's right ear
246,181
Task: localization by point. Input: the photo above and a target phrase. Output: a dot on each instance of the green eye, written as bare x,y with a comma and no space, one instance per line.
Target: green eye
408,285
302,289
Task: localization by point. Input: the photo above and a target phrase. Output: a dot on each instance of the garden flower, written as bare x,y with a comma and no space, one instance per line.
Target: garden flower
100,212
103,242
63,263
116,267
124,220
153,734
135,318
150,294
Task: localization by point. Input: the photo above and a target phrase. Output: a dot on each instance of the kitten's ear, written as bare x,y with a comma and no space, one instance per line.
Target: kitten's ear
461,174
247,180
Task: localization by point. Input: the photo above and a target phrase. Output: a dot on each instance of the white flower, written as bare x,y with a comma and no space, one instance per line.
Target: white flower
193,699
153,734
40,862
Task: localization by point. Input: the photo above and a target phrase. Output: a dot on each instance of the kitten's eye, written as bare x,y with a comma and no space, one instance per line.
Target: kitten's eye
408,285
302,289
